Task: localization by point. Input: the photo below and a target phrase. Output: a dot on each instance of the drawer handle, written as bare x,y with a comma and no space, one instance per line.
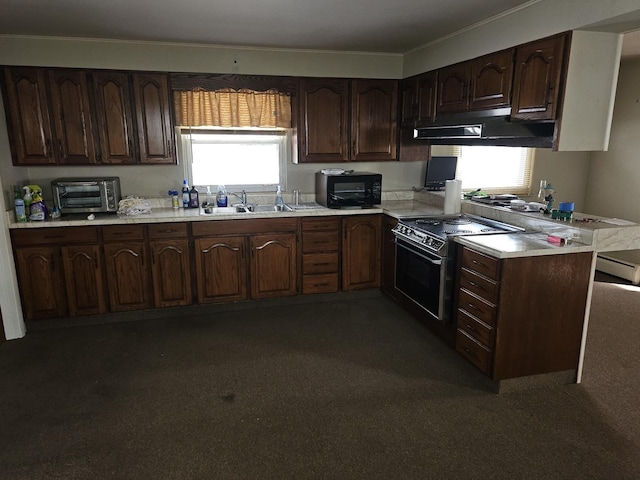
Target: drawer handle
473,329
50,237
471,305
168,230
475,262
473,284
321,264
326,284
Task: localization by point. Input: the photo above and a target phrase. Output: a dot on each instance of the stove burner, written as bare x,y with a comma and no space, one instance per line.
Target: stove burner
449,231
427,221
457,221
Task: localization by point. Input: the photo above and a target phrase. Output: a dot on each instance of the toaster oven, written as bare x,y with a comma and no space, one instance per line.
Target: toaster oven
86,195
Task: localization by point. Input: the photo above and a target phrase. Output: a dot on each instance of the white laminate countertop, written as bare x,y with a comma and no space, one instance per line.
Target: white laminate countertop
523,244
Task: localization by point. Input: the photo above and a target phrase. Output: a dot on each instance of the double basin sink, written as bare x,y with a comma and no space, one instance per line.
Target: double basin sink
253,208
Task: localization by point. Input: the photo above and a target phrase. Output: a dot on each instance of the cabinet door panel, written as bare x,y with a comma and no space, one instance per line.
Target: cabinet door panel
127,276
221,269
426,98
84,279
72,117
491,78
30,124
453,89
324,117
536,89
41,282
115,117
374,113
153,113
361,253
171,272
274,265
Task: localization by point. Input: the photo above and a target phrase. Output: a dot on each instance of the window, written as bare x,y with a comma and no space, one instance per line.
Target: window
493,169
241,159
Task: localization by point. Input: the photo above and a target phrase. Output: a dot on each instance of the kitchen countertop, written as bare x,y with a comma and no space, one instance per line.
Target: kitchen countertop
524,244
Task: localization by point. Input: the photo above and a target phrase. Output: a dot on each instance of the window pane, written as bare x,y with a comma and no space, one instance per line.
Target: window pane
251,161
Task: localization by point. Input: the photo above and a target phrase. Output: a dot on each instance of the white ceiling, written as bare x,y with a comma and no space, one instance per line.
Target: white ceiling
385,26
388,26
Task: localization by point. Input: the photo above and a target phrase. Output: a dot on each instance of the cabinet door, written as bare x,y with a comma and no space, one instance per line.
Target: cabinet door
153,113
29,123
273,265
453,89
374,116
171,272
84,279
221,269
538,72
427,85
114,116
361,252
71,113
127,276
41,282
491,78
324,120
409,101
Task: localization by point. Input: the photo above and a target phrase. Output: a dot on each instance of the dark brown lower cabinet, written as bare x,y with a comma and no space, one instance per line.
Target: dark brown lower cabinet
221,269
361,252
128,277
84,279
171,272
273,265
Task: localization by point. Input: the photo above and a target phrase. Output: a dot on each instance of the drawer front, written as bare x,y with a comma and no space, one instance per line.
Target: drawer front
320,242
119,233
320,263
54,236
314,225
323,283
167,230
475,328
480,263
478,308
481,286
473,351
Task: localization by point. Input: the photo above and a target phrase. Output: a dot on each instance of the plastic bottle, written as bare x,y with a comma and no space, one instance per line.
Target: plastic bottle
27,198
208,199
279,201
18,202
185,194
194,198
221,197
175,202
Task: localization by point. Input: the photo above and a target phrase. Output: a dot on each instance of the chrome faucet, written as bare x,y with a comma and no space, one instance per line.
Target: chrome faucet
242,197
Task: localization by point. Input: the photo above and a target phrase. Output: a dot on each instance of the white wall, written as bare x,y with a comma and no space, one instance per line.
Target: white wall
614,176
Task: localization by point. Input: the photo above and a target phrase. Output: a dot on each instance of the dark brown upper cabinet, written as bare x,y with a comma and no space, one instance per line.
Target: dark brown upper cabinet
479,84
49,116
419,99
344,120
60,116
114,117
537,81
153,113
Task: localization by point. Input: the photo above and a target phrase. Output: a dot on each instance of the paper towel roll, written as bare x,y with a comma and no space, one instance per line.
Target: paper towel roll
452,196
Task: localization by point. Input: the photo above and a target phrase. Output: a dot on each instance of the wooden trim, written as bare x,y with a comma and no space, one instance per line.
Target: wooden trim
189,81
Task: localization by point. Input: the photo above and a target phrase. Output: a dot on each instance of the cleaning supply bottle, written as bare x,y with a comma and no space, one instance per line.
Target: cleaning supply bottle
221,197
279,201
18,202
27,197
208,200
194,197
186,200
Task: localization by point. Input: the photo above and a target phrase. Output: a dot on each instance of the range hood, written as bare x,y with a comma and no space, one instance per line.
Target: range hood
492,127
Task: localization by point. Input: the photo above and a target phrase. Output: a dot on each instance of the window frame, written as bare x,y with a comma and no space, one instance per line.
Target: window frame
184,137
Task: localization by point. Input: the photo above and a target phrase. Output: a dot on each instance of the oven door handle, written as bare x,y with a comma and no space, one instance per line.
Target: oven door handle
435,261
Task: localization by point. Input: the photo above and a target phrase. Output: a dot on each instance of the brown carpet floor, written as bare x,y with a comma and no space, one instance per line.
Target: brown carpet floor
342,387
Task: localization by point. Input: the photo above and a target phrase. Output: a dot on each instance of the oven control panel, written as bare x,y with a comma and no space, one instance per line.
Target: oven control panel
421,238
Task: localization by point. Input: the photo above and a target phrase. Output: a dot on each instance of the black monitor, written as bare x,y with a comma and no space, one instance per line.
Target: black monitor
439,170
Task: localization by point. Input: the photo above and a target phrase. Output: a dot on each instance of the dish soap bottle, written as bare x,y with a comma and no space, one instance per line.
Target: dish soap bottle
185,194
279,201
221,197
194,197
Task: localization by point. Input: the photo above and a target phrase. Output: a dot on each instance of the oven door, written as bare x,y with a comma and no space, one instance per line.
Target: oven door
420,275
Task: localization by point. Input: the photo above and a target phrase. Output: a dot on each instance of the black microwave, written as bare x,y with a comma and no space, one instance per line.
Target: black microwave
349,190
